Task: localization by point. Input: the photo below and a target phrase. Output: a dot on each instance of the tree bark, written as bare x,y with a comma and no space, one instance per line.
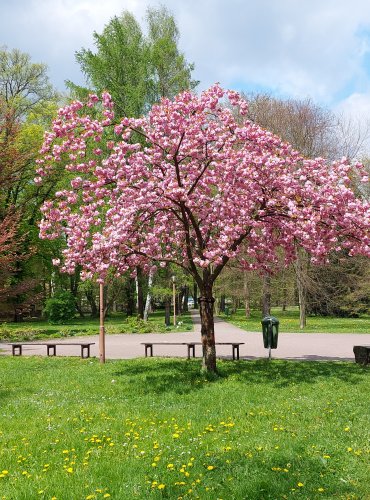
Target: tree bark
139,293
195,295
206,302
185,307
301,273
167,311
247,303
148,296
266,295
222,303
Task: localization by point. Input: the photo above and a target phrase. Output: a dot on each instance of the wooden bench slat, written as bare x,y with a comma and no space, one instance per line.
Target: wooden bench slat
148,346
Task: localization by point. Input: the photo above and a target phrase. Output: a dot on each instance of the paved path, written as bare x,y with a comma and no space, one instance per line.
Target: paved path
303,346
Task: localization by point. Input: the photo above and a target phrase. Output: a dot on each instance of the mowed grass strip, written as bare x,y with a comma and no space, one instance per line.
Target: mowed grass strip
158,428
289,322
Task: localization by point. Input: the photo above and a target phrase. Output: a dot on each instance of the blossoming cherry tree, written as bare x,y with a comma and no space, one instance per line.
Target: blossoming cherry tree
190,184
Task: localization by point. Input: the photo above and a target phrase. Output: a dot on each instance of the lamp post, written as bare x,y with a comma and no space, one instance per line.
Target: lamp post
101,329
174,299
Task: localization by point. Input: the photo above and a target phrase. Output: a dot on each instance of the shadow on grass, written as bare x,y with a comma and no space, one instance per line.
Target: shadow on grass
164,375
178,376
282,373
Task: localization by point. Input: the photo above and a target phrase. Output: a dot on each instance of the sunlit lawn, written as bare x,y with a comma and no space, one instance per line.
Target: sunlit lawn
115,323
289,322
157,428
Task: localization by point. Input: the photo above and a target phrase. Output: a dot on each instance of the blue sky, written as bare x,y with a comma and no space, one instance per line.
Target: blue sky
290,48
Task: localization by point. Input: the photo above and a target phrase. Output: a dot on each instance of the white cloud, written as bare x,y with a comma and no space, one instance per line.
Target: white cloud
356,106
306,48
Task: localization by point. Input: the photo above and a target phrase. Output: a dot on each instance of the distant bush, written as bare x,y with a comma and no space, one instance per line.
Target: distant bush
60,308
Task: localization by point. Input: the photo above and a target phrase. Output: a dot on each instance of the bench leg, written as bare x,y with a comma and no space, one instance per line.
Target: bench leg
191,347
85,348
17,348
51,350
362,355
235,351
148,347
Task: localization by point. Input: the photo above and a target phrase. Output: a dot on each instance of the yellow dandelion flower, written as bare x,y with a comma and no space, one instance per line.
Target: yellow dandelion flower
175,435
300,485
70,470
161,486
106,495
210,467
349,449
320,490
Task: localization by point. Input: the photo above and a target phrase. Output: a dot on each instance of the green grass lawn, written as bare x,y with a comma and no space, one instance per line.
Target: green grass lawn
115,323
289,322
157,428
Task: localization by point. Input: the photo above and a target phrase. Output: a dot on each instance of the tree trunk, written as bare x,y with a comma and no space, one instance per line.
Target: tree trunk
90,296
185,307
74,282
285,298
206,302
129,296
195,295
180,301
266,295
139,293
300,271
222,303
167,312
148,296
247,303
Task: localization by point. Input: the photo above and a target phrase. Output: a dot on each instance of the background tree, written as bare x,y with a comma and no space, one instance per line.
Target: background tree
27,106
23,84
315,132
202,186
136,69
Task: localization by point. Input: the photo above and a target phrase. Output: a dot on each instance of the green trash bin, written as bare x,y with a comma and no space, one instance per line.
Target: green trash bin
227,311
270,332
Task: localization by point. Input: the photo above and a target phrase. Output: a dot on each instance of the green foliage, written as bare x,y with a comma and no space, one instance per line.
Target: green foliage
341,288
23,84
136,69
60,308
259,430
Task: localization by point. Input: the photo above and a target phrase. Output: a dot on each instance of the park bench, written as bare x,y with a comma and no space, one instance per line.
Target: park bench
191,347
362,354
51,347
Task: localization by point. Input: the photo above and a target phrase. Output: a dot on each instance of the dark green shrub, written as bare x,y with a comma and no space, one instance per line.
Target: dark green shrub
60,308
